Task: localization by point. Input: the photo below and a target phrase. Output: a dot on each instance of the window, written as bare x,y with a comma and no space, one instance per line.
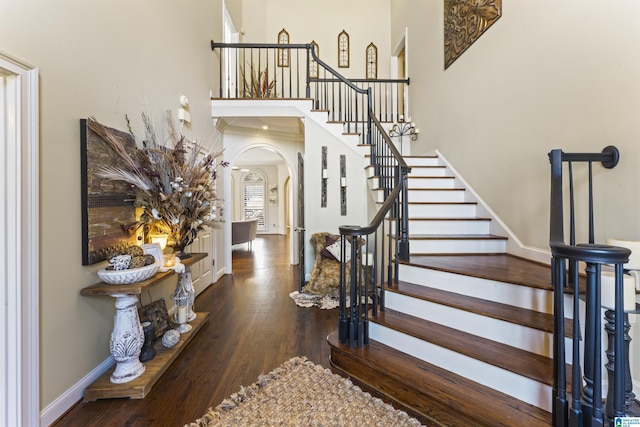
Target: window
343,49
253,197
372,61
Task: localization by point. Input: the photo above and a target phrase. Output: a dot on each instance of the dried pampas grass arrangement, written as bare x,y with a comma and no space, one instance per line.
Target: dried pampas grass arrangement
174,184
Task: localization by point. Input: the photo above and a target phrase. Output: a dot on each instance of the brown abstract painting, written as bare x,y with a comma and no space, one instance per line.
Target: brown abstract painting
107,206
464,22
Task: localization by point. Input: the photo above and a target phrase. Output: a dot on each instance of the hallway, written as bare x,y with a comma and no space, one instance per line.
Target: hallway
253,327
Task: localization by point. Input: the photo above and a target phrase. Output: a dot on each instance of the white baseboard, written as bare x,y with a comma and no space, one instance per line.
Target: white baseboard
69,398
219,273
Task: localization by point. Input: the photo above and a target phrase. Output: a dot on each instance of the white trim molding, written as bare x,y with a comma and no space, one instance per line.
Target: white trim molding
19,223
514,245
69,398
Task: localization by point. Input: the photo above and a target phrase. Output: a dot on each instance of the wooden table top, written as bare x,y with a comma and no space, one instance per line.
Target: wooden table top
103,288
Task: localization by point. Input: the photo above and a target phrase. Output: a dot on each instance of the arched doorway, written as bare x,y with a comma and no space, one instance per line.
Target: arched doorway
260,171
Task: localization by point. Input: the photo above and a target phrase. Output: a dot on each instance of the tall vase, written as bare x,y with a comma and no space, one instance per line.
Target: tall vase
179,251
148,352
180,242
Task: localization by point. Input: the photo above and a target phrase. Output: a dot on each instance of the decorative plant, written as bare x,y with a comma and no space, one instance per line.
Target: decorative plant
259,86
174,185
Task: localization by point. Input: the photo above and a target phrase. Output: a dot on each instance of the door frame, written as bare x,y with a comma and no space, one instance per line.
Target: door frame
401,47
19,193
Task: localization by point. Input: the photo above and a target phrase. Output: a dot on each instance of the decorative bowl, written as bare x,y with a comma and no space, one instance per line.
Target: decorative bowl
125,277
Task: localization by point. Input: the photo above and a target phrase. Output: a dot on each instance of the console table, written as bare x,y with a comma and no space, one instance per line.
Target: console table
126,311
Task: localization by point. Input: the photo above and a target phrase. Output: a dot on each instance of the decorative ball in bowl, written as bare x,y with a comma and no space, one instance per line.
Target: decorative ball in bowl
131,275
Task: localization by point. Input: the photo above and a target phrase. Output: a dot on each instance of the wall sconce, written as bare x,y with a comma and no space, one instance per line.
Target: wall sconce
404,128
183,112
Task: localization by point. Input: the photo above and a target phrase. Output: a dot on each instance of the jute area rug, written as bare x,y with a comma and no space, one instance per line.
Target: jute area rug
300,393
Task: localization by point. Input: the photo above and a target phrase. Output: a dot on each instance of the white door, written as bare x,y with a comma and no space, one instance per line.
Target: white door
202,271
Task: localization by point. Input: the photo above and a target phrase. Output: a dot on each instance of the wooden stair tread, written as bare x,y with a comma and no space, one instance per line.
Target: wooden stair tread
530,365
430,176
495,310
471,218
436,189
500,267
429,392
442,203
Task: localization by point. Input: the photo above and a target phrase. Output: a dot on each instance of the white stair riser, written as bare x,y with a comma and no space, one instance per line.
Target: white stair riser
443,195
502,292
457,246
435,182
370,171
491,376
441,210
374,183
362,149
506,293
525,338
422,161
448,227
428,171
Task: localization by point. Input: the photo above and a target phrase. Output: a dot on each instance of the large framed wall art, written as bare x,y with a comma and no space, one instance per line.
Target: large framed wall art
108,210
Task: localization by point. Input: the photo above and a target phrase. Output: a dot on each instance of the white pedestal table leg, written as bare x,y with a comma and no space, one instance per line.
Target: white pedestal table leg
127,339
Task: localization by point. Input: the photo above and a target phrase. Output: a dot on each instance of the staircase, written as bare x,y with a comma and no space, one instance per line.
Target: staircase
466,335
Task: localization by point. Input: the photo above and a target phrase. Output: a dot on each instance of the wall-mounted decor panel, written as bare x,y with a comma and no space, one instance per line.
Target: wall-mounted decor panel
464,22
108,210
343,49
324,178
283,54
343,185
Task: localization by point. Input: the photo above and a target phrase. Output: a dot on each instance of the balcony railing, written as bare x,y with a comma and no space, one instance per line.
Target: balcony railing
294,71
376,248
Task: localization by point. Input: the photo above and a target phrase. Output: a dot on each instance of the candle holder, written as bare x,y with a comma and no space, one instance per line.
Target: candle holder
183,300
180,318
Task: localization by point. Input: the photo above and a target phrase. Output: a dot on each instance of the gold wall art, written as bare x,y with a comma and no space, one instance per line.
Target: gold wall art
464,22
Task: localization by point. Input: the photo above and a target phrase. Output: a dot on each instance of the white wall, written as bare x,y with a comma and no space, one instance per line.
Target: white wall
105,59
329,218
546,75
365,21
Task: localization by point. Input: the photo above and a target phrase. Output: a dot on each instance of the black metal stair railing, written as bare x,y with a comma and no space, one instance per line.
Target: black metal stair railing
257,70
375,249
584,405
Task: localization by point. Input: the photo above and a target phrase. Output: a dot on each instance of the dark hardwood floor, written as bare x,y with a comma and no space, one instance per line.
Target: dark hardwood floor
253,328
